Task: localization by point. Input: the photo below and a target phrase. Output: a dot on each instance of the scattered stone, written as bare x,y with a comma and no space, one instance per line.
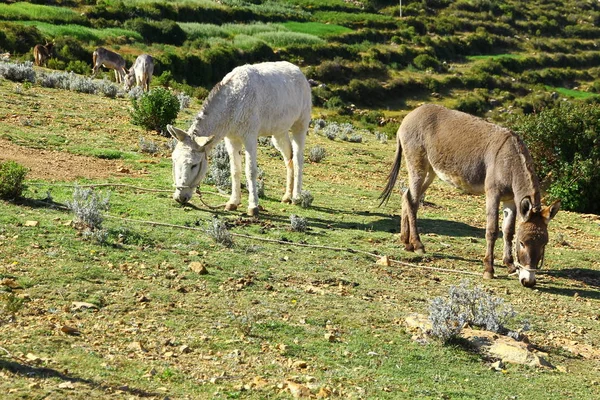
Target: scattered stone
384,260
136,346
297,390
497,366
300,364
32,223
198,267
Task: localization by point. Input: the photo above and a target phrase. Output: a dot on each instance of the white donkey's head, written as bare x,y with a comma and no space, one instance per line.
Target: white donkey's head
190,162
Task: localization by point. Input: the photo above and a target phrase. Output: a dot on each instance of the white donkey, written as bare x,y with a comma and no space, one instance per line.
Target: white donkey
140,73
267,99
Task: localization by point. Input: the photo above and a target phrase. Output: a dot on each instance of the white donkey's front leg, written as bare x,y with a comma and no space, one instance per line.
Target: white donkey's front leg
251,176
235,165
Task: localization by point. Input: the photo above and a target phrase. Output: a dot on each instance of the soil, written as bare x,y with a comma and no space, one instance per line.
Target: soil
58,166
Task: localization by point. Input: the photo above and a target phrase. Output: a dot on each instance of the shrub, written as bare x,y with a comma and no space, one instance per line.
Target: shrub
18,72
317,154
184,100
148,146
304,200
12,176
299,224
88,207
468,306
219,172
425,61
564,143
155,109
218,231
17,38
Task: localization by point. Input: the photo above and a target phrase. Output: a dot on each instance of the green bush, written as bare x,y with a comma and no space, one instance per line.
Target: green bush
425,61
12,176
17,38
565,147
155,109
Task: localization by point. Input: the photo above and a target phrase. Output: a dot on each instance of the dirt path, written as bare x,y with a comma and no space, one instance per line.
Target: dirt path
55,165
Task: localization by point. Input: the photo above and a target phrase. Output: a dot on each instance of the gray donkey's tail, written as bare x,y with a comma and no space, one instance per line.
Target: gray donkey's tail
392,177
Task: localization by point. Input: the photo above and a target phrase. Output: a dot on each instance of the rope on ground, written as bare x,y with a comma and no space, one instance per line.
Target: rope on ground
314,246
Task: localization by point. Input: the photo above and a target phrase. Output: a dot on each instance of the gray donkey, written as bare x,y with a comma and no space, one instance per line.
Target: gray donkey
477,157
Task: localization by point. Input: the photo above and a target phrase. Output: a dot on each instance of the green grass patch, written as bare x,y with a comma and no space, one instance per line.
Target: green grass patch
37,12
495,57
284,39
316,28
576,94
82,33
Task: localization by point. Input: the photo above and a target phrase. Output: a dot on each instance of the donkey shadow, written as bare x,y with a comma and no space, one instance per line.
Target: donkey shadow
49,373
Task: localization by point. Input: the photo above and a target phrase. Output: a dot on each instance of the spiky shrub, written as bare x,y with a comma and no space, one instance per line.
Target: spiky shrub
136,92
381,137
12,176
184,100
318,124
10,304
331,131
18,72
305,199
148,146
218,170
88,207
82,84
260,183
218,231
299,224
155,109
108,88
317,154
468,306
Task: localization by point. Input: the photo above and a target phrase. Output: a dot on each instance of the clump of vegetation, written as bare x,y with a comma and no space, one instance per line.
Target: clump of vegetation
184,100
564,144
468,306
219,170
88,207
218,231
10,304
12,176
299,224
18,72
305,199
317,154
155,109
148,146
381,137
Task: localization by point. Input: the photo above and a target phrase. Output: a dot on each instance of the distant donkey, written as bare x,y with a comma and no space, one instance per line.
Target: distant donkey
41,53
109,59
476,157
267,99
140,73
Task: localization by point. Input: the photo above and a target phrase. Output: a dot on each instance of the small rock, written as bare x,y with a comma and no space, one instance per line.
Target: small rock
32,223
497,366
384,260
198,267
300,364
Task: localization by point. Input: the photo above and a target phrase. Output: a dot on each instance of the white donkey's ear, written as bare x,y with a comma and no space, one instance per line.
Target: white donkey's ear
203,141
177,133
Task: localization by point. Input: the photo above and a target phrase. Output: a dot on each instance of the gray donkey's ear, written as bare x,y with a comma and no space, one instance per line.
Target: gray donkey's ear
177,133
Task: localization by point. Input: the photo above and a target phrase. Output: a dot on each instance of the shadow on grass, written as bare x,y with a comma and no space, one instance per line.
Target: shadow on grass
42,372
569,292
590,277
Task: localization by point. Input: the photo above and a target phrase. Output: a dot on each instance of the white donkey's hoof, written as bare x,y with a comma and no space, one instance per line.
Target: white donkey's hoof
286,199
230,207
252,211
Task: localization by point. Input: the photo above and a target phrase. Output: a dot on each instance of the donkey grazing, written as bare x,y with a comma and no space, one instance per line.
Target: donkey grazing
266,99
476,157
41,53
109,59
140,73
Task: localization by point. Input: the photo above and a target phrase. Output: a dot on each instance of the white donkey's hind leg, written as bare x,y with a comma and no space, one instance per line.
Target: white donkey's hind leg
235,166
283,144
252,175
299,131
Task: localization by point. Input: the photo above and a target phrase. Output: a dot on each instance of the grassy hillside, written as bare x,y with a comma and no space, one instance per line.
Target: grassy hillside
132,314
267,313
